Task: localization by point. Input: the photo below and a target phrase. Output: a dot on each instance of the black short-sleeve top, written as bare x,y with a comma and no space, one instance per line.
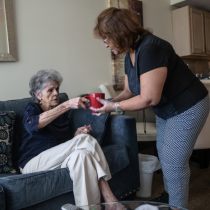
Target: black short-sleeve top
34,141
182,89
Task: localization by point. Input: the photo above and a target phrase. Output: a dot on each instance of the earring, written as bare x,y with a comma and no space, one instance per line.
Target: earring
40,102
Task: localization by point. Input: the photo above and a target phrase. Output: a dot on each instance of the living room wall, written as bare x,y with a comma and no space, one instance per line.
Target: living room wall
157,17
57,34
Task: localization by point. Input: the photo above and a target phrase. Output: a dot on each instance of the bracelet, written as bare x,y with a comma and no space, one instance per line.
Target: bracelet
118,108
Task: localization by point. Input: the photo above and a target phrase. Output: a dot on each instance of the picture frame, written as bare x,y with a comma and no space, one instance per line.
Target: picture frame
8,50
118,68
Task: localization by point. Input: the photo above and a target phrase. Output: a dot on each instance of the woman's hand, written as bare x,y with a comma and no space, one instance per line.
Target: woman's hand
85,130
108,107
77,103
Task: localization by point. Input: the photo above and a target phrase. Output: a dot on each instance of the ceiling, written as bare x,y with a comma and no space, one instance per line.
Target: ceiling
202,4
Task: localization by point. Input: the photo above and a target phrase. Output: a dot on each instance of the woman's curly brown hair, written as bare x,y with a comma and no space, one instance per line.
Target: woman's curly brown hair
121,26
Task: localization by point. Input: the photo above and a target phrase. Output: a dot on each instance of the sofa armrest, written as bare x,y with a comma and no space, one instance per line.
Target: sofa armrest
2,199
121,130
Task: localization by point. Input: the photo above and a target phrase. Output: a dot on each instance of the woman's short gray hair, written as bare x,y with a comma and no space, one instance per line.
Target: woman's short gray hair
41,79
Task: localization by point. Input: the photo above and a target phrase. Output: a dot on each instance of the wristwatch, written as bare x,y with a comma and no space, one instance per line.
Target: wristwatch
118,108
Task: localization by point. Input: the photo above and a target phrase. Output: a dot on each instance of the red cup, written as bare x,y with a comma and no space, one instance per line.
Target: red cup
93,101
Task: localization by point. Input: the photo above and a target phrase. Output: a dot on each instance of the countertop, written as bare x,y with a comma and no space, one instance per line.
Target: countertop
206,82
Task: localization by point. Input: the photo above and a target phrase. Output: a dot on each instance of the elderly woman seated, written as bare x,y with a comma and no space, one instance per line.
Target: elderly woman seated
45,128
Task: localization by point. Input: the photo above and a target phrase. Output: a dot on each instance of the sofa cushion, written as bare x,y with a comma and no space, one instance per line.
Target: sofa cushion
24,190
2,199
7,121
18,107
8,174
80,117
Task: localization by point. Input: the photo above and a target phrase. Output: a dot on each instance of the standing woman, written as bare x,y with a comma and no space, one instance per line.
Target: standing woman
155,76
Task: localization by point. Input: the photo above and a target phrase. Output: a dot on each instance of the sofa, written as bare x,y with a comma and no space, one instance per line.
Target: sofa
53,188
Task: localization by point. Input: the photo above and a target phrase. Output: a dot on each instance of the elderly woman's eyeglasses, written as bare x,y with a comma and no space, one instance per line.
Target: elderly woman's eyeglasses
105,40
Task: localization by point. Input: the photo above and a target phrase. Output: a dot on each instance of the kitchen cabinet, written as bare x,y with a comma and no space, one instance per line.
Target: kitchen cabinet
191,30
207,32
197,31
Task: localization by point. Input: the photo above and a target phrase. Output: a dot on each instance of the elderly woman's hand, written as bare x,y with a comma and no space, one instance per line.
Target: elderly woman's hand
85,130
76,103
108,107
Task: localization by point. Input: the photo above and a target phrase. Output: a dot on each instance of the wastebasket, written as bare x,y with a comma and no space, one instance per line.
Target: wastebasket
147,165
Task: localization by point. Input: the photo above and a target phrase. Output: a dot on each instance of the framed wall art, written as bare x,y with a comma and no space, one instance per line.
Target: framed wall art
118,70
7,32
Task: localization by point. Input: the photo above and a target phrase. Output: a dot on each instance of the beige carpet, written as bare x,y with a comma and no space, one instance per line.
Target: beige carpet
199,192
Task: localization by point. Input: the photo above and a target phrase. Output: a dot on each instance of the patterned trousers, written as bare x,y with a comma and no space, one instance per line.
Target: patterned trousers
176,138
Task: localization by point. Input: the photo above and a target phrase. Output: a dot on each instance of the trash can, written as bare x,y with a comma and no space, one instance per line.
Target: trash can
147,165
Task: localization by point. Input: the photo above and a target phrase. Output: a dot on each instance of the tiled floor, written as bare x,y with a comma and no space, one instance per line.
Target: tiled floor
199,195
